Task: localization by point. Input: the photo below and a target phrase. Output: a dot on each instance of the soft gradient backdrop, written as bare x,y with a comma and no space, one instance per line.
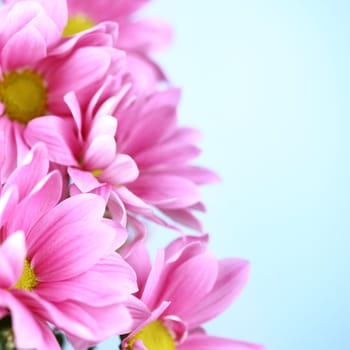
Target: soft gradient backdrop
267,82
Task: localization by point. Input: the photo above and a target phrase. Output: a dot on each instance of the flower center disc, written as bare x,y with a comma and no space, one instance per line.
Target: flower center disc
77,24
154,336
24,95
28,280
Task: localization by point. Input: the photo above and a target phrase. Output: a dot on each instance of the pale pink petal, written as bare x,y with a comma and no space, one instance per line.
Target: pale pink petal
152,289
8,202
137,256
100,152
57,10
177,327
72,102
172,153
140,313
105,10
117,208
59,136
207,342
145,35
198,175
63,229
84,180
184,217
166,191
12,254
81,71
150,128
120,171
74,248
45,195
189,283
104,125
232,277
13,55
28,13
34,168
32,336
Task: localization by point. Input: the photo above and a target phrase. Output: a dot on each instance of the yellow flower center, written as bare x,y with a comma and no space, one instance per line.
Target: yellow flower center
24,95
28,280
77,24
97,172
154,336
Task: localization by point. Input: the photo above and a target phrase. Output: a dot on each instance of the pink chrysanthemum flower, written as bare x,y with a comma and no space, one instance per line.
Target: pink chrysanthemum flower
37,68
148,131
86,145
138,37
185,287
58,262
147,165
141,35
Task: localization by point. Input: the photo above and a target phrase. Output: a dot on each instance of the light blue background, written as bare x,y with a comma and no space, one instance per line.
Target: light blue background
267,82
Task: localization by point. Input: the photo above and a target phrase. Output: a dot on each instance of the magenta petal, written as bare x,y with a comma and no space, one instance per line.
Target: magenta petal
207,342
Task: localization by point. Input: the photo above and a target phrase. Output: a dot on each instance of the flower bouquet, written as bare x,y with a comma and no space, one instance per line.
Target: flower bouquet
91,153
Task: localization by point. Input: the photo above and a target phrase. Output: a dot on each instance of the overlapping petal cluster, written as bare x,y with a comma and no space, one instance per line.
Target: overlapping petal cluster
91,151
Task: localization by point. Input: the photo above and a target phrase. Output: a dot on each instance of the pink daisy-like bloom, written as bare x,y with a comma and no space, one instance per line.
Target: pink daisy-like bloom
142,35
86,145
33,81
148,131
186,287
46,247
142,164
139,38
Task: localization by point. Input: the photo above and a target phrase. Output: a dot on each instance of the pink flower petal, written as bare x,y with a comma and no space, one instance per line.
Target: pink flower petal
12,254
100,152
120,171
13,55
145,35
43,197
84,180
189,283
34,335
207,342
59,136
34,168
78,238
166,191
232,277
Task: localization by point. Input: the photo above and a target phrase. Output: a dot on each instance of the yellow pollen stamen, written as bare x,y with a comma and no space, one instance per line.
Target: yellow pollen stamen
24,95
28,280
77,24
155,336
96,172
